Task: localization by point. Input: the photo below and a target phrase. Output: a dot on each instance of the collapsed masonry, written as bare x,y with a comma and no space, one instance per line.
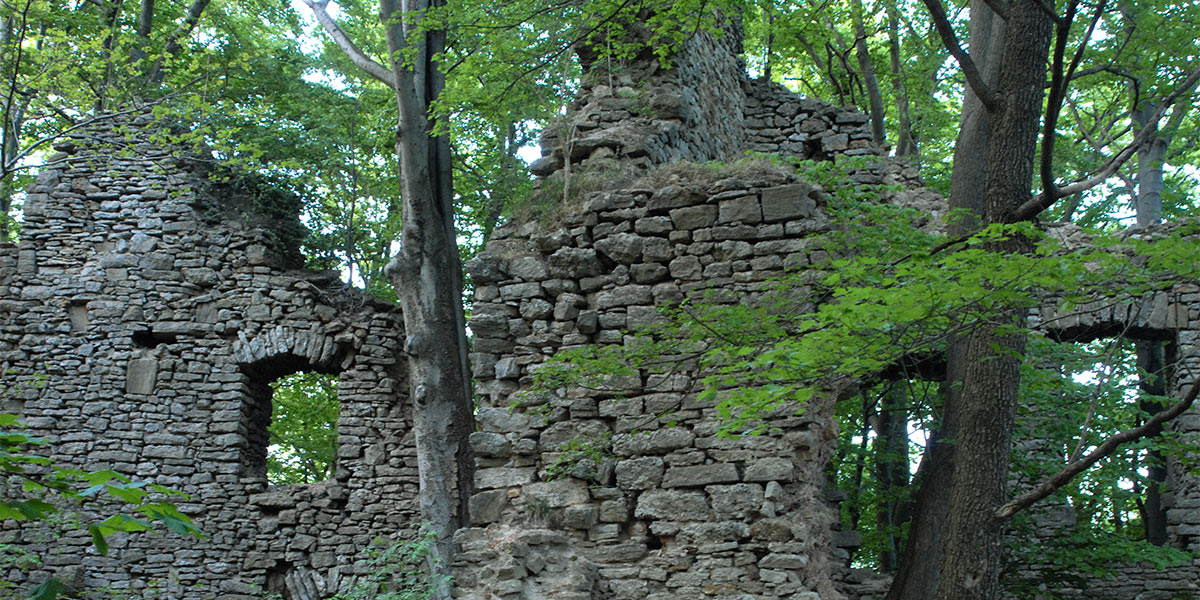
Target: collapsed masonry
159,303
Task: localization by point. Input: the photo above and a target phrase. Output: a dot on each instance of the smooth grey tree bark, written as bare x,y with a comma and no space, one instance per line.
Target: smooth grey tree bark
426,272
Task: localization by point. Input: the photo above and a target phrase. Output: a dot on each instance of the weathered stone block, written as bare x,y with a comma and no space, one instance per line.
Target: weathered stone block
744,209
788,202
557,493
487,507
640,473
699,475
141,376
672,505
501,477
694,217
770,468
486,443
659,441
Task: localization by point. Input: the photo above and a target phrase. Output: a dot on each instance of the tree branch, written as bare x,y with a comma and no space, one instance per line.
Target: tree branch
974,78
1058,90
1110,445
172,44
1042,201
353,52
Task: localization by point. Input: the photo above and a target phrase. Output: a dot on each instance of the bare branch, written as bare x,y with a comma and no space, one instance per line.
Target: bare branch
172,44
974,78
1110,445
1058,90
353,52
1043,201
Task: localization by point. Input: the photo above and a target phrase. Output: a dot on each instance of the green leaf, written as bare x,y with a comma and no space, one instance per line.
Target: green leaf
47,590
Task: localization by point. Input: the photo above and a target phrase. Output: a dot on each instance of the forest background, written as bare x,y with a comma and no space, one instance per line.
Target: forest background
261,84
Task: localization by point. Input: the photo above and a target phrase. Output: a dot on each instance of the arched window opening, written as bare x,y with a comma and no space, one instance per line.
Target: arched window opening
290,417
303,429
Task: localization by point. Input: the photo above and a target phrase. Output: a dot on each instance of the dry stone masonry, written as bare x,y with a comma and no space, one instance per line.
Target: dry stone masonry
158,304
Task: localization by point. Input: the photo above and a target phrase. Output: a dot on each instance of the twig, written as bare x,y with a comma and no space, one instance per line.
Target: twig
1110,445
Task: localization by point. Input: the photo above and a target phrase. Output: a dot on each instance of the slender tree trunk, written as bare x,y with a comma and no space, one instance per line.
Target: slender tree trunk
1152,381
870,81
906,144
891,470
770,50
427,276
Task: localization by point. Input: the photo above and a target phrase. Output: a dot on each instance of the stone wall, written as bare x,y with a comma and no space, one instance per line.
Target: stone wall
699,107
664,507
158,304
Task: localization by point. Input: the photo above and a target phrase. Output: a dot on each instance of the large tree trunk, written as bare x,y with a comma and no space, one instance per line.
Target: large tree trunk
427,276
973,542
920,566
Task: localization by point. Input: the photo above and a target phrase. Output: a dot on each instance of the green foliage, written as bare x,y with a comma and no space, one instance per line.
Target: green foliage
37,489
396,571
303,430
578,457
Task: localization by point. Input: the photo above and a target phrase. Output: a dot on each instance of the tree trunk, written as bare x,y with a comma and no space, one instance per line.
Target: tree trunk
427,276
906,144
920,566
891,470
988,34
1152,381
973,541
870,81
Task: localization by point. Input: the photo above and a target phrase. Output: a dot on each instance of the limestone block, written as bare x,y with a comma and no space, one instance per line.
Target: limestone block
529,268
694,217
575,263
536,308
486,443
744,209
487,507
640,473
770,468
659,441
783,561
625,248
588,322
583,516
501,420
501,477
700,475
649,273
624,296
673,505
788,202
141,376
686,267
507,368
557,493
559,434
656,250
737,501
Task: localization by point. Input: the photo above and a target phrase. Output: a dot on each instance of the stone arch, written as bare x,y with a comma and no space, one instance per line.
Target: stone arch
276,353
